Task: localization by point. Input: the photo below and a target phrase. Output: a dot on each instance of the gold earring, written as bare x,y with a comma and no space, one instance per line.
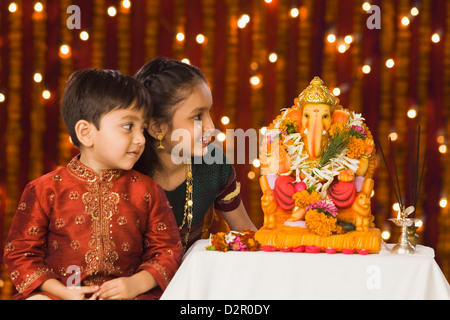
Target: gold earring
160,138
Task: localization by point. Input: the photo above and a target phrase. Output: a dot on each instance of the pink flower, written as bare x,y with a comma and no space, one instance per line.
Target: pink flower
237,245
359,130
325,205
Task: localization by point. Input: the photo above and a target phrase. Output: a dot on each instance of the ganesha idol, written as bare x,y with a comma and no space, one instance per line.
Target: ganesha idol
317,164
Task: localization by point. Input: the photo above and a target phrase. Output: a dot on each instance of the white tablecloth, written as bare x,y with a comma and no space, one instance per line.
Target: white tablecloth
212,275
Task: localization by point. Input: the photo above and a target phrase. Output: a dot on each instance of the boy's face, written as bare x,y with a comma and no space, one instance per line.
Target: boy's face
118,143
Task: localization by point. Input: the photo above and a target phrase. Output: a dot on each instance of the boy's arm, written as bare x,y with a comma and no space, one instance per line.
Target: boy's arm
25,246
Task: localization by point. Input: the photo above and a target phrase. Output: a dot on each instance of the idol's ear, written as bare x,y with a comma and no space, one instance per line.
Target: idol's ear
156,128
85,133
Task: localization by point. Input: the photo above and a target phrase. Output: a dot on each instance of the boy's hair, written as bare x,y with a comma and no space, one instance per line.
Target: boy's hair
91,93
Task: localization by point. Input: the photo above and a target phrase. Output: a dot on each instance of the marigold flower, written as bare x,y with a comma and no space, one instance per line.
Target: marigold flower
304,198
337,127
320,223
356,148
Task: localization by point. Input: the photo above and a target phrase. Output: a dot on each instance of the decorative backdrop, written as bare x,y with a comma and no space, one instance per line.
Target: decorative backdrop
258,55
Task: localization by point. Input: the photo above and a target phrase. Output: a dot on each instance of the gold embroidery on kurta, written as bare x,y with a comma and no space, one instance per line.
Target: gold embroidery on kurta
59,223
22,206
74,195
33,230
31,278
101,204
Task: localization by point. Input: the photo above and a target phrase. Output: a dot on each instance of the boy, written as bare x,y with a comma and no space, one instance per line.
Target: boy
96,229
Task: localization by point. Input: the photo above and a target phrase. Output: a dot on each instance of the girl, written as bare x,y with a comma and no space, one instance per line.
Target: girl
182,102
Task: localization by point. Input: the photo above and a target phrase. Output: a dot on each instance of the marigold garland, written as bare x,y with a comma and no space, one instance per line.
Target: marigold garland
356,148
322,224
304,198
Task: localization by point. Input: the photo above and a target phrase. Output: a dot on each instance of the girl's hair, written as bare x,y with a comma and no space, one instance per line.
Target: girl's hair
91,93
168,82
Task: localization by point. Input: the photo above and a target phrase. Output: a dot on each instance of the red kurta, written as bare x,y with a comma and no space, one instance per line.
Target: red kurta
104,227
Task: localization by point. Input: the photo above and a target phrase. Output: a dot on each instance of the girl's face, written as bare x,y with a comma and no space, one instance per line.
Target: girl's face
192,125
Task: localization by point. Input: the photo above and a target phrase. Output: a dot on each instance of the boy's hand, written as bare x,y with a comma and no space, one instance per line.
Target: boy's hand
127,287
81,293
56,288
119,288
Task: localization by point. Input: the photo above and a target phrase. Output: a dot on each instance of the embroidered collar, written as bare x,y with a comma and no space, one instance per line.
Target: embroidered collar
84,173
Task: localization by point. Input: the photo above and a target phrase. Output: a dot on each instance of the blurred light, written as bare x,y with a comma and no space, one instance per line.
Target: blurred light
263,131
37,77
390,63
268,1
241,24
337,92
348,39
443,148
200,38
396,206
2,97
46,94
366,69
251,175
405,21
112,11
414,11
435,38
180,36
331,38
393,136
221,137
64,51
225,120
418,223
366,6
385,235
12,7
38,7
440,139
412,113
443,202
256,163
294,12
255,80
84,35
186,60
245,18
126,4
273,57
342,48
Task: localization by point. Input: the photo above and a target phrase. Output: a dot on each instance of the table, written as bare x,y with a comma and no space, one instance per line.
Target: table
212,275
